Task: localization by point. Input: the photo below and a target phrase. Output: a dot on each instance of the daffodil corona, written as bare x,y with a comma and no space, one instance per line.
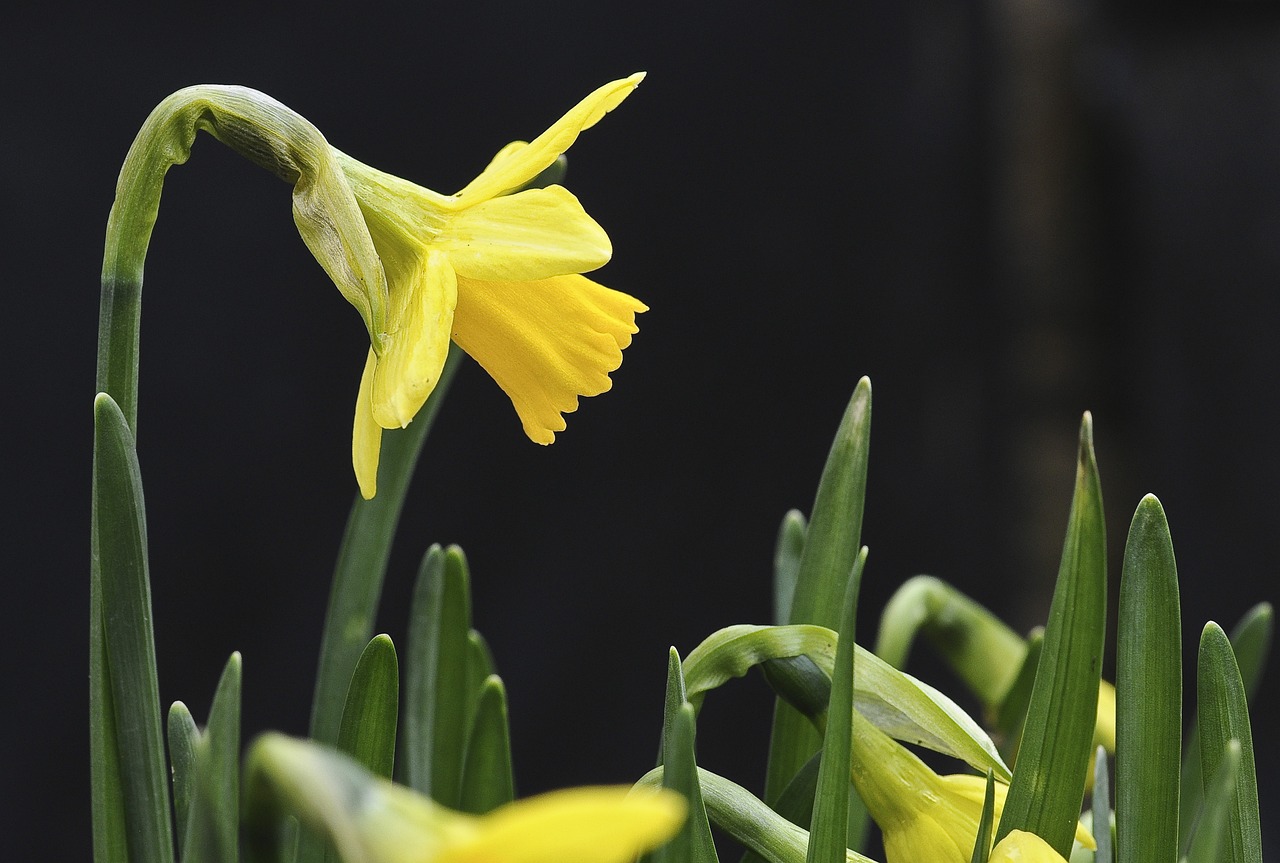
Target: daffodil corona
497,269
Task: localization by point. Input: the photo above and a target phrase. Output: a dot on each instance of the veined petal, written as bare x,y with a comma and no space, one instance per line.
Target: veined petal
546,342
1022,847
582,825
415,351
366,438
534,234
515,166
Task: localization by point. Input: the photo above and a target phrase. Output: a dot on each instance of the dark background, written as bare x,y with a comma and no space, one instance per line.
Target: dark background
1005,214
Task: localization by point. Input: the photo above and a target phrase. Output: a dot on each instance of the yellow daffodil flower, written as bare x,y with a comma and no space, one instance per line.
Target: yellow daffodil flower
498,271
1022,847
372,820
922,816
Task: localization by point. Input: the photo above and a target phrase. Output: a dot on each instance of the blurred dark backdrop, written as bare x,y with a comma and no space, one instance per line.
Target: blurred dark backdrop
1004,213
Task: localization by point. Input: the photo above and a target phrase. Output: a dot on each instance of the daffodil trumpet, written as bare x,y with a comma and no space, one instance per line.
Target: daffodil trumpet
496,267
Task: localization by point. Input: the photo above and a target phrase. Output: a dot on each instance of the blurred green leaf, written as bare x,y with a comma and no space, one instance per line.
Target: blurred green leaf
829,829
213,820
479,668
1210,841
488,779
183,738
1012,713
831,545
362,562
786,563
1224,716
896,702
130,781
368,729
1251,641
1057,740
1148,693
437,701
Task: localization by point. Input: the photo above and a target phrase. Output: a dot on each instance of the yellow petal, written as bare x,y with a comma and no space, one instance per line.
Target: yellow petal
516,166
415,351
1022,847
366,438
546,343
534,234
579,825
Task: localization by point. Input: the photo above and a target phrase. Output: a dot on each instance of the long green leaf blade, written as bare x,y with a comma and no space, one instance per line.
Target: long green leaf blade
362,562
1224,716
1148,692
831,544
829,829
982,842
213,820
127,663
1210,841
488,778
1053,757
437,700
368,729
184,736
786,563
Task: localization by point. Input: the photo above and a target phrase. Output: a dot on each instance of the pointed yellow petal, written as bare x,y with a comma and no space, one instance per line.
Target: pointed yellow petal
1022,847
546,343
366,439
415,351
579,825
516,166
534,234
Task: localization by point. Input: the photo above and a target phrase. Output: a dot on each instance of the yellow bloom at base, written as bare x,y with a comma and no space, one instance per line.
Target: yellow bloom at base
498,270
923,816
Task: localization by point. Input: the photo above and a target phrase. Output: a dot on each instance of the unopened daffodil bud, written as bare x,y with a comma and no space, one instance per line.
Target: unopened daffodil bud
371,820
921,815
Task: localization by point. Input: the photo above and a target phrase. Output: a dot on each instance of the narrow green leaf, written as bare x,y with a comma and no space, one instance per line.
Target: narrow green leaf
977,645
213,820
831,545
786,563
362,562
1251,641
747,819
829,829
183,738
982,842
896,702
123,657
437,678
1101,806
693,844
488,779
368,729
1057,740
1210,841
1148,693
479,668
1224,716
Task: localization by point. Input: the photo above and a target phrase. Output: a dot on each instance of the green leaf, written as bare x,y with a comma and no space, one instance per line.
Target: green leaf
368,730
693,844
213,820
831,545
183,738
1251,641
1148,693
130,782
982,841
1101,806
896,702
479,668
979,647
1224,716
786,563
1210,841
1057,741
829,829
437,700
488,779
1012,713
362,562
747,819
